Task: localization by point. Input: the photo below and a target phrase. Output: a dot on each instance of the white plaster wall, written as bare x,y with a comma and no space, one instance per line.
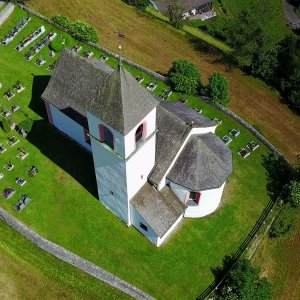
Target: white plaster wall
178,190
209,202
150,120
136,219
68,126
94,131
193,131
111,176
139,166
161,240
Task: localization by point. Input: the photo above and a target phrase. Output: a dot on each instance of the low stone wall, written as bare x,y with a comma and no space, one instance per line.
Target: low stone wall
6,12
72,258
108,52
245,124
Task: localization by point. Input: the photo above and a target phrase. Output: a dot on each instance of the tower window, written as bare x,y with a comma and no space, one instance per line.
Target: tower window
139,133
143,226
106,136
195,197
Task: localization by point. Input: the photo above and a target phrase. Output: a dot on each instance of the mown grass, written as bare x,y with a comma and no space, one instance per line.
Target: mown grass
64,206
28,272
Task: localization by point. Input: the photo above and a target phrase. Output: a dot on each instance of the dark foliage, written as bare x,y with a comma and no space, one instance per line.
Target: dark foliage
175,12
139,4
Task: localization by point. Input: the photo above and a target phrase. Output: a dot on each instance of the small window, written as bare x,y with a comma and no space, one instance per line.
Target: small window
86,136
139,133
143,226
195,197
106,136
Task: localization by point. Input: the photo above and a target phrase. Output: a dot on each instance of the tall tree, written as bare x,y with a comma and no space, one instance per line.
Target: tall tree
217,89
243,282
184,77
175,13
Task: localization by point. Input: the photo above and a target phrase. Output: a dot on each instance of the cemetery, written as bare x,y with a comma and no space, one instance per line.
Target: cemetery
29,39
66,173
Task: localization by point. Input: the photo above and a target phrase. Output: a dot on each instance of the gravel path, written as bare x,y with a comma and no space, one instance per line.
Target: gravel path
290,15
6,12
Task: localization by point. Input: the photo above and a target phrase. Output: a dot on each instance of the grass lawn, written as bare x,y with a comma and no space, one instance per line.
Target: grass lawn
64,206
154,44
279,260
28,272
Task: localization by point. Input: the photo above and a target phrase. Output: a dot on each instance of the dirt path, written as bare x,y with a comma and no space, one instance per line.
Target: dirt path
153,44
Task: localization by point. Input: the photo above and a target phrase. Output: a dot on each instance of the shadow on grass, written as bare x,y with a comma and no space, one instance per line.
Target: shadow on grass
58,148
278,172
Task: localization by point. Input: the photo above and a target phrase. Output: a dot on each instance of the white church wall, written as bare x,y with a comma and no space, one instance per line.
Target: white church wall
94,131
68,126
209,202
150,124
136,221
139,166
179,191
111,181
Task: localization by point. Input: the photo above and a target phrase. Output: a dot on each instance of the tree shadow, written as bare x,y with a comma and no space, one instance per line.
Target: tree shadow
65,153
278,174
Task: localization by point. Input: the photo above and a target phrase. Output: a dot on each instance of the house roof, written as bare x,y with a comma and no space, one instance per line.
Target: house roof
188,5
159,208
113,96
174,123
204,163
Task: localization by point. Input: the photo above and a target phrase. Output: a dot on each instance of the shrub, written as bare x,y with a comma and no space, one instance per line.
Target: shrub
6,125
184,77
217,89
78,29
26,125
62,21
284,222
294,193
60,42
139,4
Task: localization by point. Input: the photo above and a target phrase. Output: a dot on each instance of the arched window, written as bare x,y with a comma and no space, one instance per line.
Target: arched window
139,133
106,136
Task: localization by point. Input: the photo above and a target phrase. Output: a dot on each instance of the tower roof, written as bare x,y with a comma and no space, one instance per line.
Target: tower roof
122,102
113,96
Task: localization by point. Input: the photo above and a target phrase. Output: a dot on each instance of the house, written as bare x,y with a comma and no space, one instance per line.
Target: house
155,161
199,8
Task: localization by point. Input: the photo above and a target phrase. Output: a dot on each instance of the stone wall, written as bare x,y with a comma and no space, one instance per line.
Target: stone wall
72,259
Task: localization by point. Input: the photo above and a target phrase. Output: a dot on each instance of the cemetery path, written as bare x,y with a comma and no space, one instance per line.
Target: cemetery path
290,14
6,12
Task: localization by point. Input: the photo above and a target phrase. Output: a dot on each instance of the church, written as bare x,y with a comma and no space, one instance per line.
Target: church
155,161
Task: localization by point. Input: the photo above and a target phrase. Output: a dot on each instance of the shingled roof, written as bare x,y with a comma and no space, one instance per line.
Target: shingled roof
174,123
204,163
113,96
188,5
159,208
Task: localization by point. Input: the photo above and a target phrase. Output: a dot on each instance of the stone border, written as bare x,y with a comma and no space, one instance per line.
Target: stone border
73,259
6,12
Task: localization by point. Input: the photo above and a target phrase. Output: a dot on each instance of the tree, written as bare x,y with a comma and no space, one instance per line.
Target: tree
139,4
175,13
294,193
184,77
243,282
6,125
26,125
217,89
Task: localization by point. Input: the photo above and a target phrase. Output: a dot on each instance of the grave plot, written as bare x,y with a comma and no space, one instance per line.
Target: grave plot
8,193
104,58
234,132
217,121
2,149
88,54
226,139
51,54
252,146
151,87
5,113
8,166
50,68
15,31
20,181
39,46
198,110
33,170
22,203
9,94
76,49
18,87
167,93
139,79
11,141
244,153
1,175
32,37
22,153
40,61
14,108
